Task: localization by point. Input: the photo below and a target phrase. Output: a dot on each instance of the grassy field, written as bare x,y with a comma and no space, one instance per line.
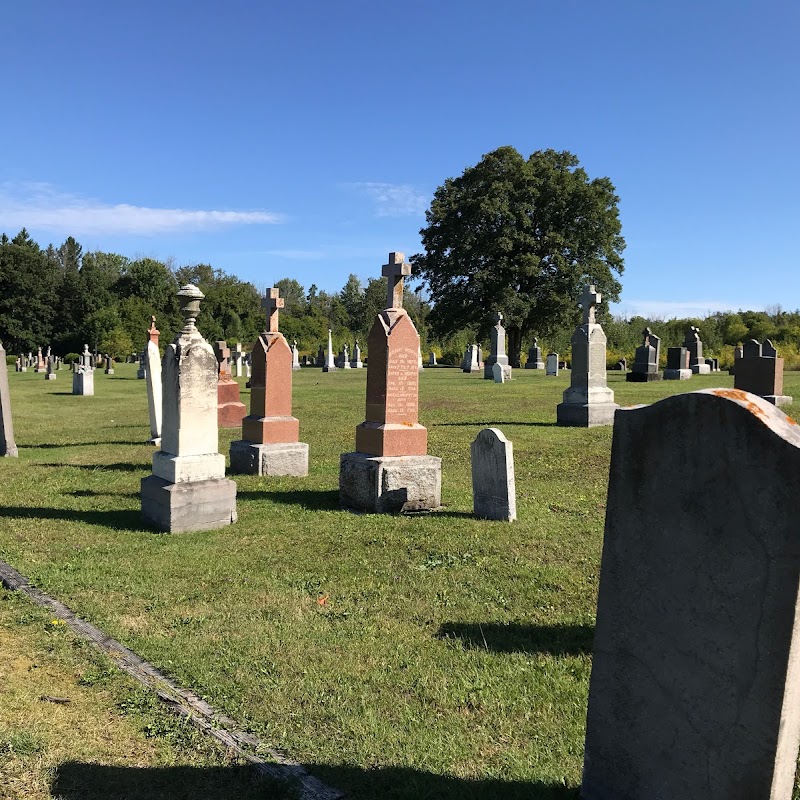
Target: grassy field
418,657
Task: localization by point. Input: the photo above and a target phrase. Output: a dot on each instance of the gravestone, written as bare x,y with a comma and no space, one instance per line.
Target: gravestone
321,356
534,356
497,354
230,408
645,362
50,374
420,365
330,361
499,373
188,490
155,398
471,360
432,359
23,367
269,443
494,491
295,356
760,372
693,692
8,446
738,353
553,364
83,374
40,365
356,362
588,402
238,365
695,347
390,471
622,365
109,368
677,364
345,357
140,360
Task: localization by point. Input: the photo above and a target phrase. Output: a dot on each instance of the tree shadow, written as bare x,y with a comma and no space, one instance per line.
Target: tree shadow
81,781
119,520
119,467
53,446
92,493
499,637
491,424
308,499
455,514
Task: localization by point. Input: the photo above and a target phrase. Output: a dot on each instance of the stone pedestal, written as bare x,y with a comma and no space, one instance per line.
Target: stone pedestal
230,409
191,506
677,374
390,484
497,353
701,369
779,399
283,458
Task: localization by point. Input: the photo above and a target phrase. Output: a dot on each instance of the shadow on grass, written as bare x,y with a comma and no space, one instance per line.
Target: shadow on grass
498,637
120,520
119,467
493,424
93,493
308,499
54,446
74,780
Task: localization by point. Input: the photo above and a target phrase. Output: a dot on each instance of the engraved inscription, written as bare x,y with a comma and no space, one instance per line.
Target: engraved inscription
402,381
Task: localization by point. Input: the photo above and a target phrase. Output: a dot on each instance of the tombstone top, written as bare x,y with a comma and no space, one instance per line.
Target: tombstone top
190,297
272,302
692,335
498,318
395,270
588,300
768,350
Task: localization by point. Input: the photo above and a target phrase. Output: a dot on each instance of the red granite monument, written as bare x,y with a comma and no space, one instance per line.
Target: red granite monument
390,470
230,408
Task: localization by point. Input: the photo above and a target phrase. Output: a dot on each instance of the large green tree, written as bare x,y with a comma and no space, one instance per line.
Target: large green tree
519,236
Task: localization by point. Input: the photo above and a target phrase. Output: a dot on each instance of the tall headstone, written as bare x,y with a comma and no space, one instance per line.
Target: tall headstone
694,345
694,686
552,365
330,361
432,359
8,446
230,408
738,352
109,365
356,362
83,375
153,378
295,355
238,365
23,359
188,490
497,354
345,357
471,359
50,374
420,365
493,488
142,357
645,363
269,443
677,364
535,360
40,365
320,362
390,470
760,371
588,402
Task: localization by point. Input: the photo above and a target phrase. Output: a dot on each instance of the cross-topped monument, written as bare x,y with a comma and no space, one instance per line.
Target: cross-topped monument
588,300
395,271
498,317
272,302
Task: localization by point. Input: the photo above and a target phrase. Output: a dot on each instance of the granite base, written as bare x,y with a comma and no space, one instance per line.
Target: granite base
778,399
390,484
642,377
701,369
284,458
587,415
677,374
194,506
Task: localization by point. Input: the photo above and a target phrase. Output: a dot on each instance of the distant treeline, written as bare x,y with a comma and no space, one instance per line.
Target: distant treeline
65,298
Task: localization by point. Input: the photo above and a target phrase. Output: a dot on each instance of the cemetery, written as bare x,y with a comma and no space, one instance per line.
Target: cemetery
441,654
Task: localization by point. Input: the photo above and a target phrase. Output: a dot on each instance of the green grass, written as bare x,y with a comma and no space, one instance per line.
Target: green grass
398,657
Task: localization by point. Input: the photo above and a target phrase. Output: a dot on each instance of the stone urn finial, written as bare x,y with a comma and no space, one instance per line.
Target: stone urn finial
190,297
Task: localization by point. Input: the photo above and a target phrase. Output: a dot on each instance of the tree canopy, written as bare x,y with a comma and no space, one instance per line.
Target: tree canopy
522,237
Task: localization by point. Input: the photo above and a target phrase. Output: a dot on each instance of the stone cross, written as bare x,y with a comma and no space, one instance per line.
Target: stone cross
272,302
395,271
588,300
223,354
153,332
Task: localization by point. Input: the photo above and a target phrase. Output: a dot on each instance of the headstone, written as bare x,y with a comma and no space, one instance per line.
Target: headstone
83,374
345,357
295,356
8,446
588,402
420,365
188,490
535,360
622,365
493,488
645,362
356,362
390,471
40,365
553,364
23,363
761,374
695,347
677,364
238,365
269,443
499,372
142,357
50,374
321,356
471,360
497,354
693,692
330,361
230,408
432,359
155,398
109,370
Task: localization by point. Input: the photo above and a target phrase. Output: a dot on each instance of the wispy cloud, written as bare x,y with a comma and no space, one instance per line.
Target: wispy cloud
296,255
40,206
665,309
393,199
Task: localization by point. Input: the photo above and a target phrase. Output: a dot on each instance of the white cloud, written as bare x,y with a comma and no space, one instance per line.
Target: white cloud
665,309
296,255
392,199
40,206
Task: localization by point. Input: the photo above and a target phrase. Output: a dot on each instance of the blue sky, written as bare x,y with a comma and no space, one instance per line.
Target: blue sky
306,139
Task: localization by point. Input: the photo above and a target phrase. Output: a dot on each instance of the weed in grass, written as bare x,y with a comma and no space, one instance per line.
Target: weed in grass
21,742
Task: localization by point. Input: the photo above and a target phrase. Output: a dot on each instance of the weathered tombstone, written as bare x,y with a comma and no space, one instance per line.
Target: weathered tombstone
535,360
109,368
40,365
499,373
269,443
23,363
465,361
83,374
356,362
497,354
645,362
320,357
230,408
153,378
677,364
238,366
390,470
8,446
432,359
330,361
553,364
622,365
188,490
695,347
345,357
494,491
295,355
693,692
50,374
471,360
588,402
140,360
761,374
420,365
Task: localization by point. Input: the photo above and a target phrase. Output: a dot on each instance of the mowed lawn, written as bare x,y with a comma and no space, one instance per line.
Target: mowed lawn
414,657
